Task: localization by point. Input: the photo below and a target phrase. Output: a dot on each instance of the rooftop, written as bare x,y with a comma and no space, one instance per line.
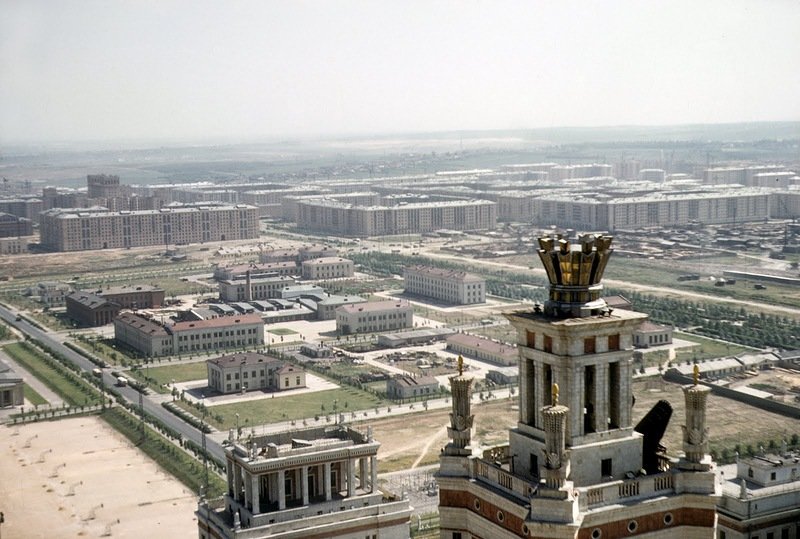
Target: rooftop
222,322
375,306
243,359
442,273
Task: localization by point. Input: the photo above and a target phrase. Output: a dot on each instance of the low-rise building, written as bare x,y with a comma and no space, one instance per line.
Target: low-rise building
650,334
15,246
11,387
406,386
139,296
326,307
152,338
51,293
374,316
91,310
312,483
328,267
257,271
484,349
504,376
251,371
253,289
452,286
760,497
296,291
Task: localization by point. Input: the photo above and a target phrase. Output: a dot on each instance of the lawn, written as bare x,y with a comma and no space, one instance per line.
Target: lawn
32,396
291,407
161,376
67,385
281,331
709,348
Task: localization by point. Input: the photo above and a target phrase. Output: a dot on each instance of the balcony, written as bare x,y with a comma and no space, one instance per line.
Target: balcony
493,474
626,490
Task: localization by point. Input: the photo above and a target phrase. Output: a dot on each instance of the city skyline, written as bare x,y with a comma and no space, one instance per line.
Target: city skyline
95,71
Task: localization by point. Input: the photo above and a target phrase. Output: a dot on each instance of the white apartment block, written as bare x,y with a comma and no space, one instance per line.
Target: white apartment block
98,228
329,267
658,209
344,219
375,316
452,286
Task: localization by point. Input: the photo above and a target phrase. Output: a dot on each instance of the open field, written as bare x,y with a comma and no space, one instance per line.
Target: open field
708,349
183,372
80,478
411,441
290,407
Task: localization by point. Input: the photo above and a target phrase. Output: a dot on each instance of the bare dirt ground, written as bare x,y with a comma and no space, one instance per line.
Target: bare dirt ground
80,478
412,441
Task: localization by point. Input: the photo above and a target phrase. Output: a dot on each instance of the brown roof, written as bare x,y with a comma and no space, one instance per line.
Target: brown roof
141,323
490,346
245,358
409,381
376,306
221,322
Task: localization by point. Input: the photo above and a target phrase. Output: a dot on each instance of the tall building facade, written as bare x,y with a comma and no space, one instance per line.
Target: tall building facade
575,465
100,228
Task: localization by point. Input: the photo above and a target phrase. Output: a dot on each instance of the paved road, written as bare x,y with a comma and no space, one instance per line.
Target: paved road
56,342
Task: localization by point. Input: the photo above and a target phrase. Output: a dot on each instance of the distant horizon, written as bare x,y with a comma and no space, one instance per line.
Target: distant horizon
141,143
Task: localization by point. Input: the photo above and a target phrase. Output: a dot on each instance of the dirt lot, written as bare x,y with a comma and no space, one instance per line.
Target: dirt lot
80,478
412,441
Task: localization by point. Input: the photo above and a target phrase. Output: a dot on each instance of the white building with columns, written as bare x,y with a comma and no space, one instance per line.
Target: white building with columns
310,484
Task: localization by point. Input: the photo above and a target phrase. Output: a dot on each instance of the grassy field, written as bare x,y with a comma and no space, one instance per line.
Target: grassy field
290,407
106,349
67,385
281,331
161,376
32,396
709,348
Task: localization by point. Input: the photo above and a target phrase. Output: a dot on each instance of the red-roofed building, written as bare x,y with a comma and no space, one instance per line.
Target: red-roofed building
374,316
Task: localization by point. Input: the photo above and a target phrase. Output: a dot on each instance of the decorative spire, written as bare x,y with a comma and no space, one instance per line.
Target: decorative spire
460,365
555,394
575,275
696,373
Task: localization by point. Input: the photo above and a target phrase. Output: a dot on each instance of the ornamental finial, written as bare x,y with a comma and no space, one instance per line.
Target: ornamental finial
696,373
555,394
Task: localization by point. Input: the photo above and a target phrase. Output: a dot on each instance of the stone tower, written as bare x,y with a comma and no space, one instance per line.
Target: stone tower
573,466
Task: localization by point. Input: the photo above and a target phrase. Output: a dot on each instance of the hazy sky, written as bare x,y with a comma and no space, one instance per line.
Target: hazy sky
76,70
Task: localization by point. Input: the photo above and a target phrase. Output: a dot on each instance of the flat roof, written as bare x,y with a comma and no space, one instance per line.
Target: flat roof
374,306
244,359
430,271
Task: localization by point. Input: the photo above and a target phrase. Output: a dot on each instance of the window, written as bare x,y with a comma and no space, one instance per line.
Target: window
772,476
548,344
613,342
605,467
530,339
589,345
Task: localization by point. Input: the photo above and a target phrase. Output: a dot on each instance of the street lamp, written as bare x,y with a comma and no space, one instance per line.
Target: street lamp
238,429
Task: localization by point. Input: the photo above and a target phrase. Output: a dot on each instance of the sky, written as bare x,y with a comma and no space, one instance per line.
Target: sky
165,69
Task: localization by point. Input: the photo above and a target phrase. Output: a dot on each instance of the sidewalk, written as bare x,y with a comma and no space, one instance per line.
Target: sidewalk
54,400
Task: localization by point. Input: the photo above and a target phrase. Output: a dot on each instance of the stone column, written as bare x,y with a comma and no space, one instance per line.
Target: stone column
255,494
281,490
248,490
237,482
601,398
351,477
362,473
524,405
304,483
539,392
373,465
326,477
229,474
556,464
695,432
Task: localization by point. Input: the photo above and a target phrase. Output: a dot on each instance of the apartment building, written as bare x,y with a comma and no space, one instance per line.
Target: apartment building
99,228
329,267
12,226
332,217
252,371
457,287
257,271
374,316
151,338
